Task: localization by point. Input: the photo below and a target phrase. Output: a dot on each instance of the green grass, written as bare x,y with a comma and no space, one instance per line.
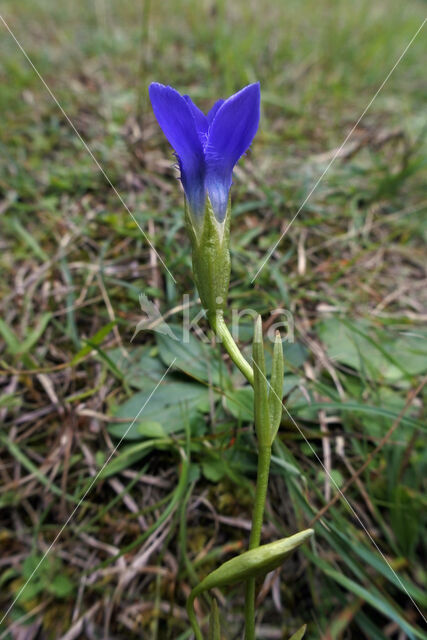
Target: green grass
351,269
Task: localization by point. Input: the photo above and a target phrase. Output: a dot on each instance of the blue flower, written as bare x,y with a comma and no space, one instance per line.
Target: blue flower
207,147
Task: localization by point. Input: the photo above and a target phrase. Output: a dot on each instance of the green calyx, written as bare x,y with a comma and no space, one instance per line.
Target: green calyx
210,242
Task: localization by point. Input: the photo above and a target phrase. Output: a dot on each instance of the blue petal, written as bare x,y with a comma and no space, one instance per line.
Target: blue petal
176,120
200,120
212,113
230,135
234,125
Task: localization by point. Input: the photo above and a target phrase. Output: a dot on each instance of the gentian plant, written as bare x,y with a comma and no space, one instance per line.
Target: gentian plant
207,148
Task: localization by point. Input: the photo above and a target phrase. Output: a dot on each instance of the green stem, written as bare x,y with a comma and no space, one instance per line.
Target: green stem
192,617
218,325
264,456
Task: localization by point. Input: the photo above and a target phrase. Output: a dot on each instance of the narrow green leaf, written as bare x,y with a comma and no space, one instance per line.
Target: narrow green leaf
262,418
91,343
35,334
276,388
372,596
71,329
9,337
214,625
17,347
371,559
358,407
17,452
298,635
29,240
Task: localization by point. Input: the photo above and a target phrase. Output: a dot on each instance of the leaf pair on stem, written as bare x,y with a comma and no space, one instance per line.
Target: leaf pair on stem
258,560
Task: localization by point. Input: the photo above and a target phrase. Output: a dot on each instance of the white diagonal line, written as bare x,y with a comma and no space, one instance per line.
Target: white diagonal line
58,535
82,140
336,154
344,498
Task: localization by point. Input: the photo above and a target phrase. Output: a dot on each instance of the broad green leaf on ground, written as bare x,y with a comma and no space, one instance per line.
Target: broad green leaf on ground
213,470
192,357
166,410
139,367
411,351
232,461
240,403
299,403
392,400
295,354
375,353
290,382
